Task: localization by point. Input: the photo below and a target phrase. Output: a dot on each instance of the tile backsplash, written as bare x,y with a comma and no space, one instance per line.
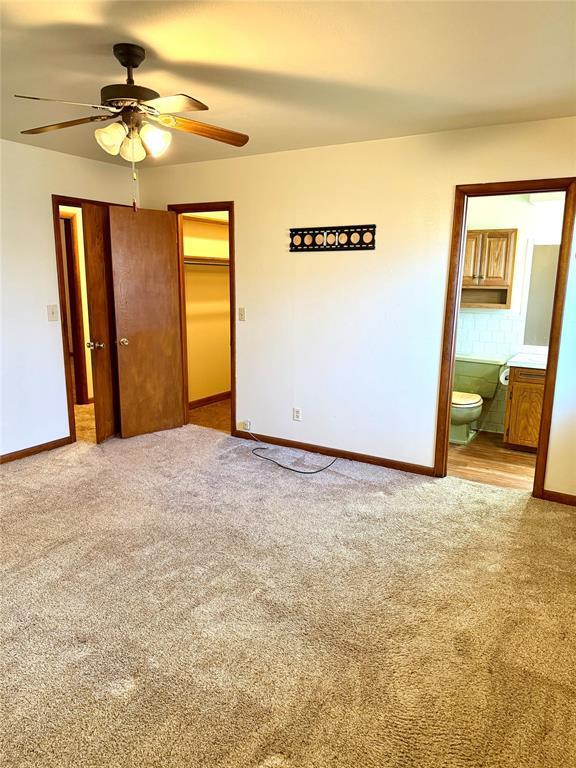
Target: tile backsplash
489,334
494,412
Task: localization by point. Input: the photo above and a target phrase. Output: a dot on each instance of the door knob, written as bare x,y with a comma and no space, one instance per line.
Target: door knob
99,344
123,342
90,344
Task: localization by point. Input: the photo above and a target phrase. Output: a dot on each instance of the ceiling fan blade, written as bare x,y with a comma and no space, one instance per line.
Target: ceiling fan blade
180,102
203,129
74,103
69,123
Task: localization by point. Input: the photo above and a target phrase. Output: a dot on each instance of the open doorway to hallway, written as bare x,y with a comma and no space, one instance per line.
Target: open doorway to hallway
78,323
206,251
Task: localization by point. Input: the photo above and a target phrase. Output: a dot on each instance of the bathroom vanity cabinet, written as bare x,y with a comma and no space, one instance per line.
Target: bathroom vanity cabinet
488,268
524,408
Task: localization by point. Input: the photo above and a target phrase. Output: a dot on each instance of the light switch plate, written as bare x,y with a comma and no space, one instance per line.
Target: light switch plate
53,314
241,313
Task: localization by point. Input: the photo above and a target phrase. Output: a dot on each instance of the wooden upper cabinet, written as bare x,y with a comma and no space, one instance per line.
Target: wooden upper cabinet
497,258
472,257
488,268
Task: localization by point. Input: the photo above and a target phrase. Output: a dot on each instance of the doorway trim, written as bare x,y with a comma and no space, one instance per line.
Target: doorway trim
226,205
462,195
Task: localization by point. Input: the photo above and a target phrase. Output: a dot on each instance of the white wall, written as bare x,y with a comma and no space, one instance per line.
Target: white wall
354,338
33,389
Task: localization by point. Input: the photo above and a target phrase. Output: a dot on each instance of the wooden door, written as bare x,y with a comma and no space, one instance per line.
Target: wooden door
472,255
147,304
497,258
100,317
524,411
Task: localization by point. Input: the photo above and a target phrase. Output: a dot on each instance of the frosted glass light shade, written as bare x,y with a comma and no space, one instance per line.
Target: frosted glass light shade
155,139
132,149
111,137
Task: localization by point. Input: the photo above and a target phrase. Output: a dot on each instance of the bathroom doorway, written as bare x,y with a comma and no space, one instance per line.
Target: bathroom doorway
504,314
207,268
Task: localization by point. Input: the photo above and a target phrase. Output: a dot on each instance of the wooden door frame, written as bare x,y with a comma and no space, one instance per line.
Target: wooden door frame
226,205
463,194
76,202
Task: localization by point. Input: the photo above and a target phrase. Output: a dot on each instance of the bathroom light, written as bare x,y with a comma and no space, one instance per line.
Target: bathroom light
155,140
132,149
111,137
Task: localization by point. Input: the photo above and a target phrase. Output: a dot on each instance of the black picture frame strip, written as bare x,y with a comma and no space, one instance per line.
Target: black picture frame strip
349,230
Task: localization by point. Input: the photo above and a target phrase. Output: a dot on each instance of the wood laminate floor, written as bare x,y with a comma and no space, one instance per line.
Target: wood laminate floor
216,416
486,460
85,424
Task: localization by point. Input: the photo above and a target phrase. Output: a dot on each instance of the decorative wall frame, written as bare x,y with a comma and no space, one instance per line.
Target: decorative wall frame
360,237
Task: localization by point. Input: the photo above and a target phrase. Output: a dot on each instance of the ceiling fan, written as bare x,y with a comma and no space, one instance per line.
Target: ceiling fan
133,135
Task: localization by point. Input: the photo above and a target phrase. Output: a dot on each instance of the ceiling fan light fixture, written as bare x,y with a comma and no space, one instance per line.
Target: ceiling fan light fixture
155,139
132,149
111,137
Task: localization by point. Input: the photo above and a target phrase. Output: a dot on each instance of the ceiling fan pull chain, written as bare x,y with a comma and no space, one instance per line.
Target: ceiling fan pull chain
135,186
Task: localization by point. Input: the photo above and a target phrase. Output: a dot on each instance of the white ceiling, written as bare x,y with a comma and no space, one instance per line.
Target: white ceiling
293,74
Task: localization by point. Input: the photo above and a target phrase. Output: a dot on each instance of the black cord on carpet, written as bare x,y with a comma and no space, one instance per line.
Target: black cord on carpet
284,466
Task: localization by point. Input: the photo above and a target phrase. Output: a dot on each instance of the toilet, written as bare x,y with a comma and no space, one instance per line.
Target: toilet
475,380
465,409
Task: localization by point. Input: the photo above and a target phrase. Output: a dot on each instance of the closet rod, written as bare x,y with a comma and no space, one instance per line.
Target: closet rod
204,263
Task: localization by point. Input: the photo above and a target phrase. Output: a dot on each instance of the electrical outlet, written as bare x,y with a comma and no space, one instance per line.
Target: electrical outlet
242,314
52,310
245,426
297,414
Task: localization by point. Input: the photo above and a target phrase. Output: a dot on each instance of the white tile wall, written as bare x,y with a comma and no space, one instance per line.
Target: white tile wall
489,333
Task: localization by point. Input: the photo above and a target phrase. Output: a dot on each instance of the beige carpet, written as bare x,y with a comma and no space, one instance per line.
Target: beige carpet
171,600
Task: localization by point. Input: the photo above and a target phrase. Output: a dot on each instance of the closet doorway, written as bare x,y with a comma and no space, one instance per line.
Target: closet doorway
207,299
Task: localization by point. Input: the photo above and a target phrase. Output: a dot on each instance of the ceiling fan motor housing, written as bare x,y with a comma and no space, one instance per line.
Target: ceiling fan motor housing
124,92
130,56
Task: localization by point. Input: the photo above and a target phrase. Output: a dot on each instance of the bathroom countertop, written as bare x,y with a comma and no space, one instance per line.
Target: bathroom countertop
529,360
